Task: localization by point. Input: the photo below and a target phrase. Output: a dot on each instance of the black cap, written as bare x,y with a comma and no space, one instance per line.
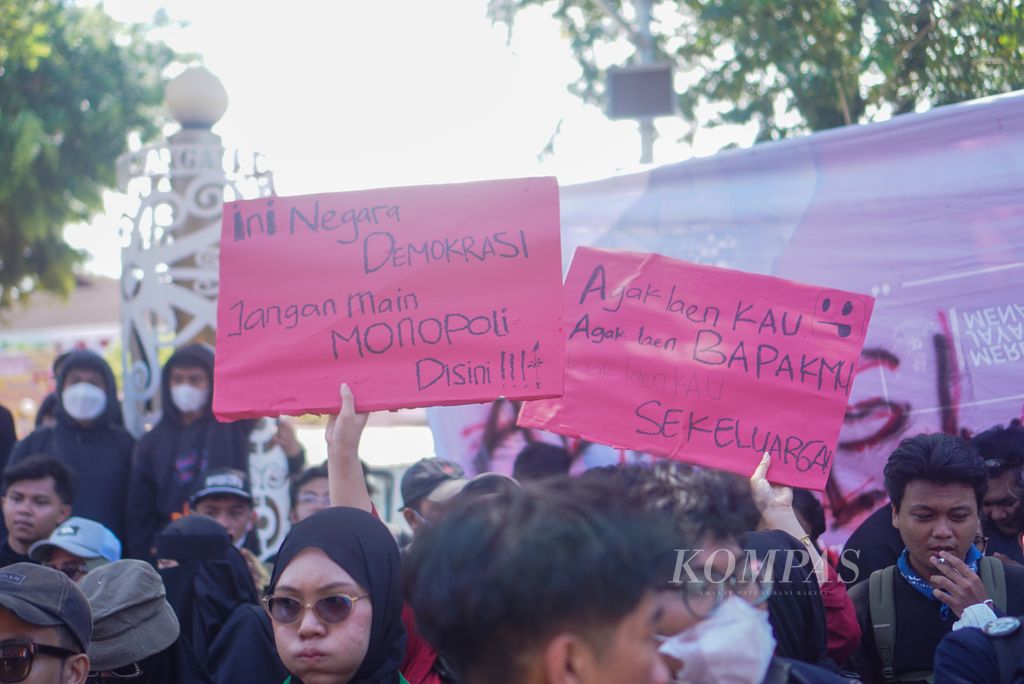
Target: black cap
46,598
422,478
224,481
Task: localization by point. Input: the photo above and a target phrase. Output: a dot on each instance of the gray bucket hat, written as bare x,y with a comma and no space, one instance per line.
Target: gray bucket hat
131,617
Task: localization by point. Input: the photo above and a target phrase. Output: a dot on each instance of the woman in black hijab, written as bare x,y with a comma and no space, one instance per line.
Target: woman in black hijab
335,600
206,579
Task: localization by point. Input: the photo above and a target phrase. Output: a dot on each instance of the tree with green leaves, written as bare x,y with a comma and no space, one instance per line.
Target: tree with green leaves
74,84
804,65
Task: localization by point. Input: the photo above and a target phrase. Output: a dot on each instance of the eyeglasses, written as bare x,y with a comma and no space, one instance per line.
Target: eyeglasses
702,597
75,571
310,498
130,671
981,542
329,609
16,658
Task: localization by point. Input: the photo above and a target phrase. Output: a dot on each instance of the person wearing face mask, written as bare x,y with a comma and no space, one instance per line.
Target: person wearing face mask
88,439
185,444
716,622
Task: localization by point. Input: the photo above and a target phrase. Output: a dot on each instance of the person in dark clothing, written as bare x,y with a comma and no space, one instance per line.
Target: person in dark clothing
135,631
8,435
37,495
96,449
540,460
1003,512
184,444
936,483
795,608
210,588
874,545
993,654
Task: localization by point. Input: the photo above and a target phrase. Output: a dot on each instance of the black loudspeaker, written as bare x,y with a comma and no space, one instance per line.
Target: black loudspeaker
641,91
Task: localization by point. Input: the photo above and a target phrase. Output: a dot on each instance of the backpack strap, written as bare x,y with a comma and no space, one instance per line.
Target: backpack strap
882,604
993,576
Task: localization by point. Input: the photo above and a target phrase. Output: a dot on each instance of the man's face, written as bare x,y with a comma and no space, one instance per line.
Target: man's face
77,375
235,514
71,565
189,375
46,669
936,517
1001,504
424,514
630,656
313,496
32,511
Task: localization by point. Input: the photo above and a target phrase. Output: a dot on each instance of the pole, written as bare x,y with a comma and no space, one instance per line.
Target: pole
645,55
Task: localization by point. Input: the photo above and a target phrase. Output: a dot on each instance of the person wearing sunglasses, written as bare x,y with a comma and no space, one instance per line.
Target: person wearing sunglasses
45,626
335,601
77,546
136,635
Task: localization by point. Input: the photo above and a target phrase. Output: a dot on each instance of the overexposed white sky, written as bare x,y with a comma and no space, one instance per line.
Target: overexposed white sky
351,94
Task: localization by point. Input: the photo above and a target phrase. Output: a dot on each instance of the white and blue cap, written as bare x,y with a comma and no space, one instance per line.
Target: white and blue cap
82,537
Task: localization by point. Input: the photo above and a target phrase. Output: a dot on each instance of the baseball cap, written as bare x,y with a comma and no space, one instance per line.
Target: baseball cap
82,537
434,479
222,481
132,619
46,598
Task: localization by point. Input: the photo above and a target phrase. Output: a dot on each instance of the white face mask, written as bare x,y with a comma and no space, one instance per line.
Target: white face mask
189,399
733,646
84,401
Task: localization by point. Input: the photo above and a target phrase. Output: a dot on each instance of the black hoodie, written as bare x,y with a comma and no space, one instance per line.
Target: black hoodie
173,455
100,454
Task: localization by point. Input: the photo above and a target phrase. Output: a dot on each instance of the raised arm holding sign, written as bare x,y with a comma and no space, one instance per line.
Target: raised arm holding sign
416,296
705,365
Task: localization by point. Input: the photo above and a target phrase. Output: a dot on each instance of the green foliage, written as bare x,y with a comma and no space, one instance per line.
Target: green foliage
808,65
73,85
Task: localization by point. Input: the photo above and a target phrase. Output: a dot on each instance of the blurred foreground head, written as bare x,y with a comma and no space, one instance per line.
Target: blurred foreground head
551,583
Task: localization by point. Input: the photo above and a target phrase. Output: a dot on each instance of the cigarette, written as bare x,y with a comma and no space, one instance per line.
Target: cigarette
941,560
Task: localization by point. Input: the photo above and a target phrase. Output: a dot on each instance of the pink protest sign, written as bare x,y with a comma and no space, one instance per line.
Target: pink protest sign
705,365
415,296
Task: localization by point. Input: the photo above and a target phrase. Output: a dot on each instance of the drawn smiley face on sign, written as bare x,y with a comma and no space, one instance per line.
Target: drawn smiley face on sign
839,316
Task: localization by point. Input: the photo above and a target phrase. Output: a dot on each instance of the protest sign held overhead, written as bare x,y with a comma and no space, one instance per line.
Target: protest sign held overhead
705,365
414,296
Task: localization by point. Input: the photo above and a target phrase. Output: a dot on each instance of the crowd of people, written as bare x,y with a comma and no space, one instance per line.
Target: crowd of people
137,561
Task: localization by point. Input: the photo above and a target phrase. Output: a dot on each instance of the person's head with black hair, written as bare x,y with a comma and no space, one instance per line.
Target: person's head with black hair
38,492
936,483
540,460
711,509
309,493
810,513
551,583
1002,448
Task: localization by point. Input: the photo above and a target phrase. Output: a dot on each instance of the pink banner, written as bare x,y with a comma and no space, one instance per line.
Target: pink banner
415,296
705,365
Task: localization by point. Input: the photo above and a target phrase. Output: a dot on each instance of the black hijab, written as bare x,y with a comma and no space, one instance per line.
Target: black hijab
795,610
361,544
210,581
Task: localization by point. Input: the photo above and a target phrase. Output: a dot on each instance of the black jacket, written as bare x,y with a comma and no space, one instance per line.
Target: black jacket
100,454
920,626
173,455
874,545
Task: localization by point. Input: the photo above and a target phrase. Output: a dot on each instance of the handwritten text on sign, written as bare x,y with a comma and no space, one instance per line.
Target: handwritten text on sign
414,296
705,365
